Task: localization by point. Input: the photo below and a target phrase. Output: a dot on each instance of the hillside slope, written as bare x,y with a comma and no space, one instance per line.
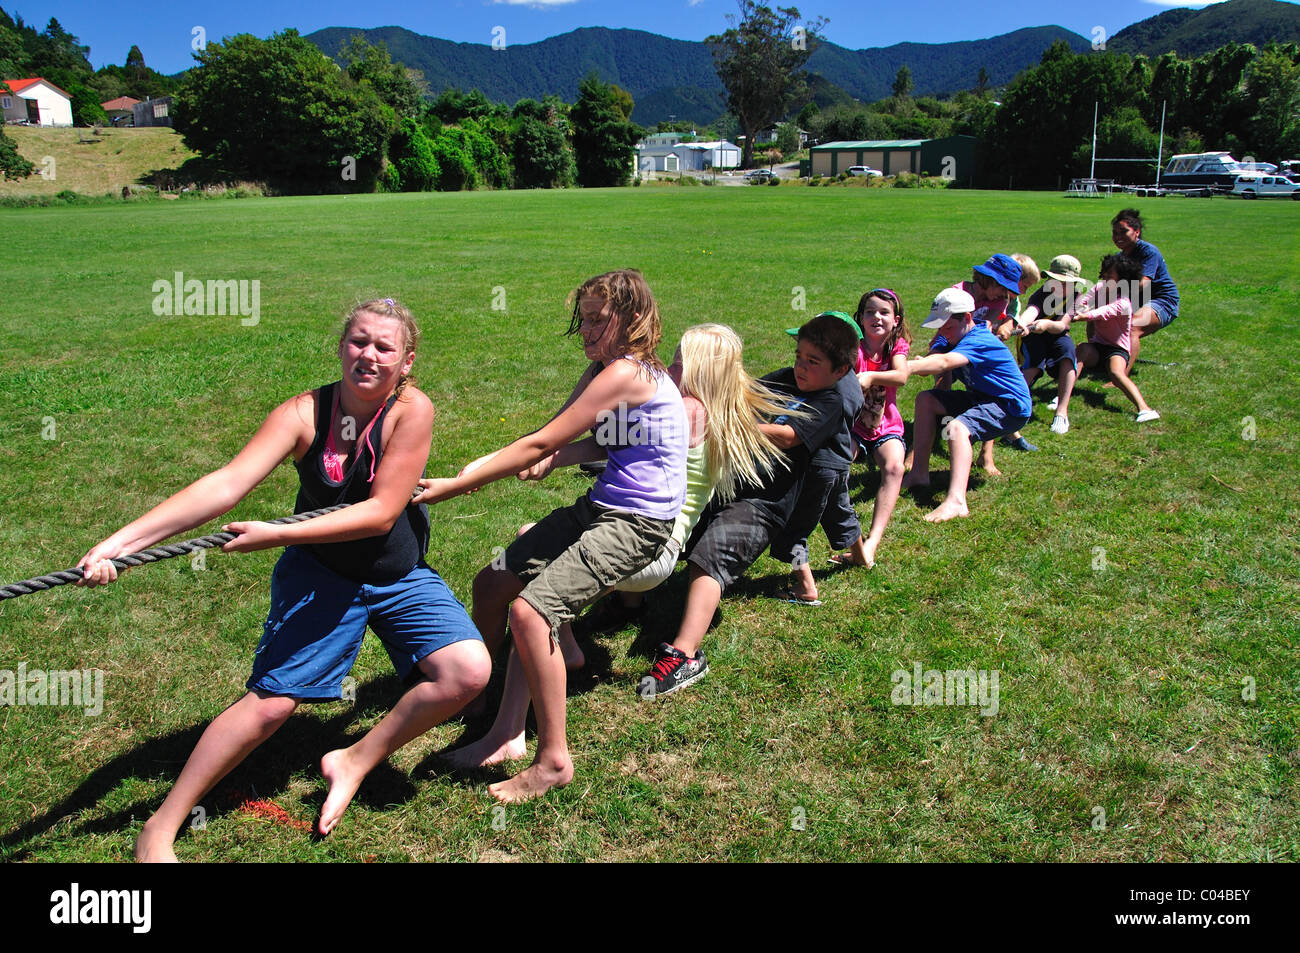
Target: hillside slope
116,158
1191,33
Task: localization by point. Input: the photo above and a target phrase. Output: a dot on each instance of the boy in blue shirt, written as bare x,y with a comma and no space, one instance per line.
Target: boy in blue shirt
995,402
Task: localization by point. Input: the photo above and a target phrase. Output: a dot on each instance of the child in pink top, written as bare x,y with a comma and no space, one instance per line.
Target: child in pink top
878,430
1108,309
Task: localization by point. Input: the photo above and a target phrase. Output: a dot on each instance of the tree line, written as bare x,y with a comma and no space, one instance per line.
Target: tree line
1238,98
1038,129
280,111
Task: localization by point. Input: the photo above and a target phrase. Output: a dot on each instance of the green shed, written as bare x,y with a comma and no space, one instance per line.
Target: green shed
951,157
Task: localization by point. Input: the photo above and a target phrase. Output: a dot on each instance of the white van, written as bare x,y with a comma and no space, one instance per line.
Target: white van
1252,185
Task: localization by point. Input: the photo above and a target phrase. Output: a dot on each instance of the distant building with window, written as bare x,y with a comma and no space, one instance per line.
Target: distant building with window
665,152
769,136
153,112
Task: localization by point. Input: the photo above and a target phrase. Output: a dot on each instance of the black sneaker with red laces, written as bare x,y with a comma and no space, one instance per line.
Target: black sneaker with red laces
671,670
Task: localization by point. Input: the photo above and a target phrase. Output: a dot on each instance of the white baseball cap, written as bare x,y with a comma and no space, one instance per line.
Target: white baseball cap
948,302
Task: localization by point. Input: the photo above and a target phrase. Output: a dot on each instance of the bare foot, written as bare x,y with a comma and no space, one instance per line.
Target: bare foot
948,509
344,778
797,594
154,848
869,554
991,469
911,478
534,781
487,750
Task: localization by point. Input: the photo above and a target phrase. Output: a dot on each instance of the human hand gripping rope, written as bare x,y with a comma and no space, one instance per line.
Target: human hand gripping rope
151,555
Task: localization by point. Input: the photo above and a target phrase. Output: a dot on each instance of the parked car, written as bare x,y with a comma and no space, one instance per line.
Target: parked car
1252,186
759,175
864,170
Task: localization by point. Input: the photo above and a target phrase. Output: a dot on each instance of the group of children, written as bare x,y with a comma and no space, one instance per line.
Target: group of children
704,462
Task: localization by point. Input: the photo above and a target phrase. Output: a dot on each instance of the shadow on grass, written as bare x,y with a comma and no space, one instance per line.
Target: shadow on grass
264,775
598,667
1099,396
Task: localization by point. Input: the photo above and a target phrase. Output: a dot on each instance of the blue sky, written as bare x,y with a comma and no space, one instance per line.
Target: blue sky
163,29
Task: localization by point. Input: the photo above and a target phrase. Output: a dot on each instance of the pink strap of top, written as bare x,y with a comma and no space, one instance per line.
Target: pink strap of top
330,458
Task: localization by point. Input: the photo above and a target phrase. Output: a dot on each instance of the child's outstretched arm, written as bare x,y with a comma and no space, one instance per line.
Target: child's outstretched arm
619,383
209,496
939,363
783,435
580,451
1115,309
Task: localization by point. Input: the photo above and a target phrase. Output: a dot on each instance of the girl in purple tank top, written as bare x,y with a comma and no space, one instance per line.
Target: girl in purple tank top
579,552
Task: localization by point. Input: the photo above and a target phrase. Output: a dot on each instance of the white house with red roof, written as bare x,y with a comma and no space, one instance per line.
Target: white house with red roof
35,101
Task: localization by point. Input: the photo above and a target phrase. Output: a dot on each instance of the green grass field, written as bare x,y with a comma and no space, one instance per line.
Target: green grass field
1135,588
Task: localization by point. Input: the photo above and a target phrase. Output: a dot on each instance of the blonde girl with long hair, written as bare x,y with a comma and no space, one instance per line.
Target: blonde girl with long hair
727,450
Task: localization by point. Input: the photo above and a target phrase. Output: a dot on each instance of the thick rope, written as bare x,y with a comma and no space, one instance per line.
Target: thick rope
41,583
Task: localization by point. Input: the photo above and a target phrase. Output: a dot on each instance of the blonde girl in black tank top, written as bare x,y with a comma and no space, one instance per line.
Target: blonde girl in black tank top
331,561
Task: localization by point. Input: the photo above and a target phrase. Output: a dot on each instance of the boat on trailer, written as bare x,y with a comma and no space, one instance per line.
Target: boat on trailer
1202,168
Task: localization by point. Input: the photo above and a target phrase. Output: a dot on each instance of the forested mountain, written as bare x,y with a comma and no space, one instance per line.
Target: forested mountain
1191,33
667,76
938,68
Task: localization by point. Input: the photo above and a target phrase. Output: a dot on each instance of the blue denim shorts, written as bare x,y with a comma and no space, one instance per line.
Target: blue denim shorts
867,448
1165,310
984,417
318,618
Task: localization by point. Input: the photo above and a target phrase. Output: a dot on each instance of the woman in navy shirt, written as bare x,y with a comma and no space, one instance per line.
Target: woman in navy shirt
1158,296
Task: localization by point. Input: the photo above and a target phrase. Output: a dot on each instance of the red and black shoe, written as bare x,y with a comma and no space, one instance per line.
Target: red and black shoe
671,670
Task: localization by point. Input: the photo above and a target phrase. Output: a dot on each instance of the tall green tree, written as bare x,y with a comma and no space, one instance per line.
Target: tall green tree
13,54
760,60
604,139
539,144
1273,84
541,156
1222,109
903,85
370,63
279,110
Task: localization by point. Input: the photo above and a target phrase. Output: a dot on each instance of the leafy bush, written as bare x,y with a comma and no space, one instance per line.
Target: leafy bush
412,166
541,153
455,160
